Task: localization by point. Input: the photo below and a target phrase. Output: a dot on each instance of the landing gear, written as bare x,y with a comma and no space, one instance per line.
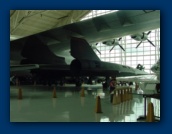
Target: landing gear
49,82
78,82
61,83
106,83
90,81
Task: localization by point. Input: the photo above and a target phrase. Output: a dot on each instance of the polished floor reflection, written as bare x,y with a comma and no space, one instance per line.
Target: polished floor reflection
38,105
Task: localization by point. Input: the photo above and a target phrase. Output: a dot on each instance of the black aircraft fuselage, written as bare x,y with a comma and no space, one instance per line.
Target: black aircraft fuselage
64,51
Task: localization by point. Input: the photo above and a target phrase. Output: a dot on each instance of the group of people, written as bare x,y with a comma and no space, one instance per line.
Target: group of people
113,84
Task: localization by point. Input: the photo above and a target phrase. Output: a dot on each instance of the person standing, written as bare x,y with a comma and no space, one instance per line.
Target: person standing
112,86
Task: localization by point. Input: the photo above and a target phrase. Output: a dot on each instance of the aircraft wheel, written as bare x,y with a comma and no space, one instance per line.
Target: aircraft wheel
61,83
78,84
105,85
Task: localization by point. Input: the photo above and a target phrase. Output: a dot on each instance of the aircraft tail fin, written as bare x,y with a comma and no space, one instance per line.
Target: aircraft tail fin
36,52
80,49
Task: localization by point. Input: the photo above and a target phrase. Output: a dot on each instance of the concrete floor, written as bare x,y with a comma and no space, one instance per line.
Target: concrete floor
38,105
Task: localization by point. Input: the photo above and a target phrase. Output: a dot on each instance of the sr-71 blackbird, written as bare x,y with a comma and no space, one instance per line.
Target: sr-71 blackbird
65,51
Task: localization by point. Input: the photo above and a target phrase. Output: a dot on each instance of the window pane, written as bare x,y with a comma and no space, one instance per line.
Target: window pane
147,58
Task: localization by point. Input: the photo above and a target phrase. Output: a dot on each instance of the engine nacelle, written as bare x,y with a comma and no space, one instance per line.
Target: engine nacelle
77,66
99,68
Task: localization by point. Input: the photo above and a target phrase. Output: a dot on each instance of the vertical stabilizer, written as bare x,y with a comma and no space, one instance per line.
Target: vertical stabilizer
80,49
